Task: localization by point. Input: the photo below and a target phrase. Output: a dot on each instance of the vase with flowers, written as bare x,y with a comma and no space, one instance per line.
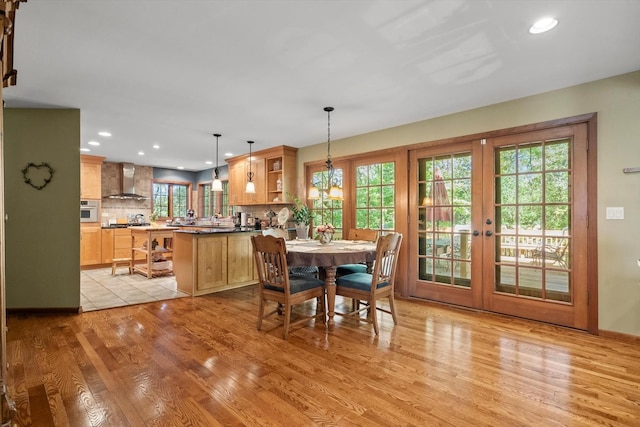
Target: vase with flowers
325,233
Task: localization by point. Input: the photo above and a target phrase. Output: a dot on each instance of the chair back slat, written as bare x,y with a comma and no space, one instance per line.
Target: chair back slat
271,260
363,234
387,251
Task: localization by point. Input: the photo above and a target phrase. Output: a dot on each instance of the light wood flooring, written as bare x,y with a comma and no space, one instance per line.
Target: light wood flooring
201,362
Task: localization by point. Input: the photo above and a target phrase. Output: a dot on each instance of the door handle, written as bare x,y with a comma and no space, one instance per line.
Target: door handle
488,233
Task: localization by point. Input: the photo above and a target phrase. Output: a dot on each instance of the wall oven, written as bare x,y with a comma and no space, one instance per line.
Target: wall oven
89,210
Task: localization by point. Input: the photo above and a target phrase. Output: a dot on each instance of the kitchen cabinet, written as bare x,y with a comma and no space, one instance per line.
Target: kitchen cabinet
107,246
281,174
116,243
212,262
268,166
239,258
91,177
90,245
238,177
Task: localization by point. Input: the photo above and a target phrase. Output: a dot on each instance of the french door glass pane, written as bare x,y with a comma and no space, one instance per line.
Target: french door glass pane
532,213
444,219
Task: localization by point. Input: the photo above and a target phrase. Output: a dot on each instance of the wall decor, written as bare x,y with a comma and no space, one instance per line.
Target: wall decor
38,176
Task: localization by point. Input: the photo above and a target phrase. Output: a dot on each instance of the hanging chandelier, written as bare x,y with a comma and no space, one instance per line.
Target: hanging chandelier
335,191
251,187
217,184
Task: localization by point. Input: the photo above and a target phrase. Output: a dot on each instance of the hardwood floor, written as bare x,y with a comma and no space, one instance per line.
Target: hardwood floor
201,362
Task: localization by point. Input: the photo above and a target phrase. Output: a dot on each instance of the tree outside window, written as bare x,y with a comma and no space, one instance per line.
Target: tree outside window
375,196
212,203
170,200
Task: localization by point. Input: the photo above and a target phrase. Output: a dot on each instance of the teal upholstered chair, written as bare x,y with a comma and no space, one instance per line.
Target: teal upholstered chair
276,285
368,288
357,234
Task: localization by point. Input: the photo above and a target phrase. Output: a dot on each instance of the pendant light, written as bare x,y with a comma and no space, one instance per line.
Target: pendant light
314,192
335,191
251,187
217,184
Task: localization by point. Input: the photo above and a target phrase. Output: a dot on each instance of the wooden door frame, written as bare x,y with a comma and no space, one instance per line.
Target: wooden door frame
574,314
590,119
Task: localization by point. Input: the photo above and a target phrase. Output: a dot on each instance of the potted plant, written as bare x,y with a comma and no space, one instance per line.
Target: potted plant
301,216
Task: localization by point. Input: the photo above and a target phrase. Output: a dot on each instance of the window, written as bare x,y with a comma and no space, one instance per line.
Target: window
212,203
373,182
325,210
170,199
375,196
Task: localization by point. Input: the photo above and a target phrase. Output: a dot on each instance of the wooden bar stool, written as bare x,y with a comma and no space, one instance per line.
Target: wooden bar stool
121,261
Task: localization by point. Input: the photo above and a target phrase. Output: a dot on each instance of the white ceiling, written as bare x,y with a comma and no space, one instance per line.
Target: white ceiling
175,72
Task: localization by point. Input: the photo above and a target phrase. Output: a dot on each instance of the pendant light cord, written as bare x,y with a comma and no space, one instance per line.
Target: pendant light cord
216,170
329,162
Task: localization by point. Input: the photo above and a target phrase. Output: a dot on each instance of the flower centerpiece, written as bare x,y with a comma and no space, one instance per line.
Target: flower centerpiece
325,233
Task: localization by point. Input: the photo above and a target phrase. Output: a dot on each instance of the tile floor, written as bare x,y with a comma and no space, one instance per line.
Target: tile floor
100,290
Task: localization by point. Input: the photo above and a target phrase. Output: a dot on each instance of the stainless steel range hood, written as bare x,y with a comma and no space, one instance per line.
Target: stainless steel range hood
127,182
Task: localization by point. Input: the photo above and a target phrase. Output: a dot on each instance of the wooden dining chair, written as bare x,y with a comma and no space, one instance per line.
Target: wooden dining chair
370,287
278,286
302,270
357,234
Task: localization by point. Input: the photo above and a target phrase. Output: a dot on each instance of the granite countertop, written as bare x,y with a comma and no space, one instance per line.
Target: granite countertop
199,229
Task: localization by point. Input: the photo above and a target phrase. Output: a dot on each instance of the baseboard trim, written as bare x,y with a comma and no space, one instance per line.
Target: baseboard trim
619,336
45,310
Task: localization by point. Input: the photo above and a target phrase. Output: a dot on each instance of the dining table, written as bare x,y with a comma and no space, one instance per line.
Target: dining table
327,257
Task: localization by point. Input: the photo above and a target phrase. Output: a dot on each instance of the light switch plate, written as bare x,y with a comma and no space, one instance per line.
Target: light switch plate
615,213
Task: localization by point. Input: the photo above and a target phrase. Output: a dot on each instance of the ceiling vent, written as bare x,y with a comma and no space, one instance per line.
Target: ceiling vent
127,181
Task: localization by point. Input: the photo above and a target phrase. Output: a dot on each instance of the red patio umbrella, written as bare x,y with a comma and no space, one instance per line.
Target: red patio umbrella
438,199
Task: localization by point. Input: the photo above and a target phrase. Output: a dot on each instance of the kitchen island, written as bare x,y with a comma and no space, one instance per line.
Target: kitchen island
209,259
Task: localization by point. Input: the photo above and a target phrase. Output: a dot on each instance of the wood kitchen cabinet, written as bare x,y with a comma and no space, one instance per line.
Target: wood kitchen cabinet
116,243
281,174
268,166
239,258
238,177
90,245
107,245
212,262
91,177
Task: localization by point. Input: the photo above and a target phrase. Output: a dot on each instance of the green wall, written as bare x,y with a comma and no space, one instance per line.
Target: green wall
617,102
42,232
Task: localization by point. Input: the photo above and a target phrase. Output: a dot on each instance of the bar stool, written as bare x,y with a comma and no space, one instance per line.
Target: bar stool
121,261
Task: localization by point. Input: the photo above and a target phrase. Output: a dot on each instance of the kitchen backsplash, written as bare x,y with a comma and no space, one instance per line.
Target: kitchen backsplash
114,209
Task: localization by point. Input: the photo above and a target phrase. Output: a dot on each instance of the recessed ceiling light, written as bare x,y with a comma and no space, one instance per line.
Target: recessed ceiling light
156,146
140,153
180,167
228,154
93,143
208,162
104,133
543,25
85,150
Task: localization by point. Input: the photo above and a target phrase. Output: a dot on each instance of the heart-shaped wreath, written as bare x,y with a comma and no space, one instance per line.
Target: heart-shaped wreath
38,176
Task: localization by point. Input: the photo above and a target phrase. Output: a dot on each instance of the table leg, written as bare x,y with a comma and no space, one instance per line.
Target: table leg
330,284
